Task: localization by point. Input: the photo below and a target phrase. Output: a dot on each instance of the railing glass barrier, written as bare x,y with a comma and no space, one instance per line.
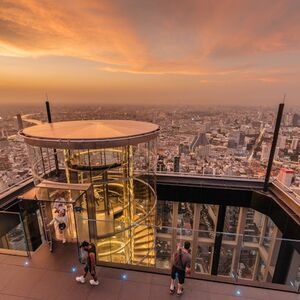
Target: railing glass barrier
238,258
12,234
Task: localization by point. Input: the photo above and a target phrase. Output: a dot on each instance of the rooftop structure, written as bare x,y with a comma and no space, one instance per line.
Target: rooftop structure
87,134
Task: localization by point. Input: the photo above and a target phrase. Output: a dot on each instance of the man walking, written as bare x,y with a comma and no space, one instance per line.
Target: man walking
90,264
181,267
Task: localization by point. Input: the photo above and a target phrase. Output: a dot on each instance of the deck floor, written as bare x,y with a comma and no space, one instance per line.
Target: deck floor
49,276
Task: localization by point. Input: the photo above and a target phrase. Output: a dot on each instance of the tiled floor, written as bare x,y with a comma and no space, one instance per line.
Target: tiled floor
50,276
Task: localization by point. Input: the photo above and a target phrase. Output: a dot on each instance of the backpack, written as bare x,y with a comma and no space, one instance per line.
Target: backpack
178,259
62,226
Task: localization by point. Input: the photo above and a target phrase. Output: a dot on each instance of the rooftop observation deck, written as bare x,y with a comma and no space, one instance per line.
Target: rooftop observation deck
51,276
47,270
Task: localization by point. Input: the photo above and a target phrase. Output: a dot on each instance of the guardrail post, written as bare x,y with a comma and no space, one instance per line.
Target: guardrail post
49,117
218,240
273,148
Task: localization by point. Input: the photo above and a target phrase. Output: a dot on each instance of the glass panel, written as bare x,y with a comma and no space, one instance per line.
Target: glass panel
247,263
164,216
267,240
12,235
225,263
261,270
203,258
253,225
231,222
163,253
208,220
185,219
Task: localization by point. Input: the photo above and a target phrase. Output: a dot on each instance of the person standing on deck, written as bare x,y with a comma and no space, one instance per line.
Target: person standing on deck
90,266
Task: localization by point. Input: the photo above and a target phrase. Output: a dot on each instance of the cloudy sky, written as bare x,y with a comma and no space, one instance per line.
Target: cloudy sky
156,51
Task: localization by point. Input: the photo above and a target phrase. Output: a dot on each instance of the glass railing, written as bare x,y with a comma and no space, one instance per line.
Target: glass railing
192,174
237,258
13,238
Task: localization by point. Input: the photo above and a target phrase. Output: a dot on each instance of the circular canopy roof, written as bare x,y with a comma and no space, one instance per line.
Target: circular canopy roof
91,134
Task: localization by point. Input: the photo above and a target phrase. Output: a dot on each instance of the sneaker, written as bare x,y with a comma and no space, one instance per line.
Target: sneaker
172,291
179,292
93,282
64,241
80,279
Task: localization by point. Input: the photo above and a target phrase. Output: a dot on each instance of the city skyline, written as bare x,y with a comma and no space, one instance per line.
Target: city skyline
196,52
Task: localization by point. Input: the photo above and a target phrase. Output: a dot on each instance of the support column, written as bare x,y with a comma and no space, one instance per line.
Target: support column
91,215
218,239
283,262
239,240
195,236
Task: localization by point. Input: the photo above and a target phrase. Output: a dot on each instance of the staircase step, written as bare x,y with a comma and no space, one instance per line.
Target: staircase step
141,236
141,249
146,241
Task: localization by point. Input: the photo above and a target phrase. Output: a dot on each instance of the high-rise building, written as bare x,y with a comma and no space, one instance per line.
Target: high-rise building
234,136
281,142
296,120
288,119
183,148
3,130
294,144
276,154
199,140
265,151
161,166
176,164
285,176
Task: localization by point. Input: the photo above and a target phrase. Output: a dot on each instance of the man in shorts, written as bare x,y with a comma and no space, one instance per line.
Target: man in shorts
90,263
181,267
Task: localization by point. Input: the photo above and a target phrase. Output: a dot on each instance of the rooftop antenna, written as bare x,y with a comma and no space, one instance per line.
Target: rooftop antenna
48,110
50,121
284,96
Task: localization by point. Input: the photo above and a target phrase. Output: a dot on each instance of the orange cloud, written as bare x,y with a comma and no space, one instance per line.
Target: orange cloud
157,37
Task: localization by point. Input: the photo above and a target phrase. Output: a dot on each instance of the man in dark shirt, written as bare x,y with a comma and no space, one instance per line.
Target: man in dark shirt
90,264
181,267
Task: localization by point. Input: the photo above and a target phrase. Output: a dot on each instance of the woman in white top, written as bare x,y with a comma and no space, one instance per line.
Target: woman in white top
60,203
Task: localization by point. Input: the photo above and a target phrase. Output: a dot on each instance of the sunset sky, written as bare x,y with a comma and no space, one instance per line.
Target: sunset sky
150,52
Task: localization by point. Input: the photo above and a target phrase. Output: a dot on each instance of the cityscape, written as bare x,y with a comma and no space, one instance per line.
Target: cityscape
150,149
203,141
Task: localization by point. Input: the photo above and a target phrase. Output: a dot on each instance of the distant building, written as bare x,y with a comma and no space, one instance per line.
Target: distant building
183,148
276,154
199,140
161,167
296,120
281,142
203,152
265,152
294,144
177,164
234,136
3,130
286,176
232,144
288,119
